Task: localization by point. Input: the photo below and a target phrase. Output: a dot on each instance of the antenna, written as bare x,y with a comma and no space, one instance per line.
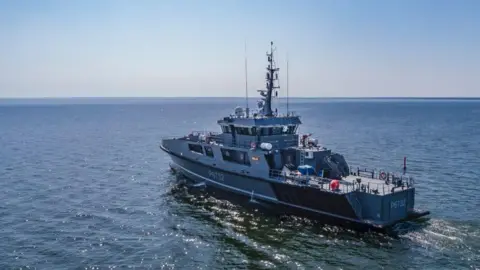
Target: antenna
246,80
287,86
271,78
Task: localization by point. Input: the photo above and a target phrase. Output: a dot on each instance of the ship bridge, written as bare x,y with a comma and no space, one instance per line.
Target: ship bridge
280,131
249,129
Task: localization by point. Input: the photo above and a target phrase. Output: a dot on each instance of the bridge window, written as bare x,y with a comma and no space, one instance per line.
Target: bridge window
235,156
292,129
242,131
277,130
266,131
208,151
226,129
197,148
269,131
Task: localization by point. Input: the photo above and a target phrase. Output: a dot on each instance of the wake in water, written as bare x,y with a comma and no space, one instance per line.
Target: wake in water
277,239
450,238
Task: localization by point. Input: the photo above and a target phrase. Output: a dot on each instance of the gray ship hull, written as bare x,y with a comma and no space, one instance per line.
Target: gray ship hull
284,198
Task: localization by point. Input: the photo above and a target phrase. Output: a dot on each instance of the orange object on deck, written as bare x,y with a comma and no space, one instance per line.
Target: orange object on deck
334,184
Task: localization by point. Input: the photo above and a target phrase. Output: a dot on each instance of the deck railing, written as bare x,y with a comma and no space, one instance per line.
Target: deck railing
206,132
256,114
388,177
346,186
194,136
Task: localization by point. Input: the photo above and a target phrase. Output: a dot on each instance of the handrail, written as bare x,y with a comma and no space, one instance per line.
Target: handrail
347,186
205,132
387,176
173,137
259,115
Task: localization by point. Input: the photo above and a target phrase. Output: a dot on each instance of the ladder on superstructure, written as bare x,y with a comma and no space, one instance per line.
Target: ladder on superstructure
302,157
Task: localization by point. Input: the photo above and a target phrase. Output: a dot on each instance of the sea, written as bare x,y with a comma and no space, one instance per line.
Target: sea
84,185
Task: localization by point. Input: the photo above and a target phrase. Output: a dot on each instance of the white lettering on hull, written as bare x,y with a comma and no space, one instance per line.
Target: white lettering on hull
218,176
397,204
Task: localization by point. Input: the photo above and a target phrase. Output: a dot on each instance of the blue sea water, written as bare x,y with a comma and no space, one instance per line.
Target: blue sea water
83,184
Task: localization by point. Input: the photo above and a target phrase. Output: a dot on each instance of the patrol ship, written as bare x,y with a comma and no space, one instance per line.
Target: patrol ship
261,156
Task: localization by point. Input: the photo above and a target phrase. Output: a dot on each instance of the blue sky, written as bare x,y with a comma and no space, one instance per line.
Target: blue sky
336,48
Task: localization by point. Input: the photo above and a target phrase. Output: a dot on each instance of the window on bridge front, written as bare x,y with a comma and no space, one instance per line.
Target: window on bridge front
208,151
196,148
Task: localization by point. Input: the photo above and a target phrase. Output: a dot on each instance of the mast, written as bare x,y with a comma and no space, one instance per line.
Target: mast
287,86
271,78
246,81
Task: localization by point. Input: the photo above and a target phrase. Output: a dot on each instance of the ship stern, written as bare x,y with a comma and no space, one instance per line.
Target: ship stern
389,209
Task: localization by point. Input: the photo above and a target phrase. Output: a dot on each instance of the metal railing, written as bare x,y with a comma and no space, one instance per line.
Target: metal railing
388,177
377,188
206,132
195,136
256,114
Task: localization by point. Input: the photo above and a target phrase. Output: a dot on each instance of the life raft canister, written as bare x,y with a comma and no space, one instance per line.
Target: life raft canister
334,184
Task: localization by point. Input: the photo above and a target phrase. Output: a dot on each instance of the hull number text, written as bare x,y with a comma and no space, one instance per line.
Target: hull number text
217,176
397,204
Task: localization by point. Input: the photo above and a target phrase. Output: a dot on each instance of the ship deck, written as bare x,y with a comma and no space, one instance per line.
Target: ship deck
371,185
351,183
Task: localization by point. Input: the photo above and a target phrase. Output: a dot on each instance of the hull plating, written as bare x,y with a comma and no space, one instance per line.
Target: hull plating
250,189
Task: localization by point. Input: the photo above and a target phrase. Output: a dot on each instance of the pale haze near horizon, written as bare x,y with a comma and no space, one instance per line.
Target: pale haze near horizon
196,48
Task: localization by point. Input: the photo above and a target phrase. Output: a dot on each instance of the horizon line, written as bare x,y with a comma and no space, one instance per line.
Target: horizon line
243,97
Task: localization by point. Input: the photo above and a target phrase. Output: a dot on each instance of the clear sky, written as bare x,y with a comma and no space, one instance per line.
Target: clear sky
336,48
